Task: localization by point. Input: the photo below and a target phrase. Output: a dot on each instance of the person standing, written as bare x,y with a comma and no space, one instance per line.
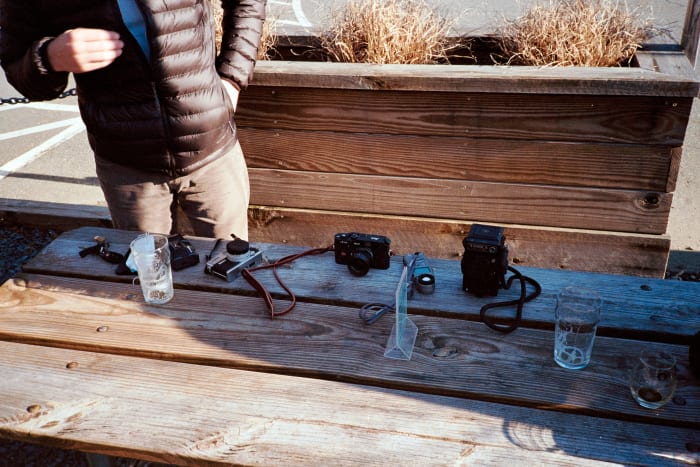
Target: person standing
156,98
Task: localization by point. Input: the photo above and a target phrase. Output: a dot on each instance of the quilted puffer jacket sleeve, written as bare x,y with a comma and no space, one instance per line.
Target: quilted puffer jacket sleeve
19,34
242,28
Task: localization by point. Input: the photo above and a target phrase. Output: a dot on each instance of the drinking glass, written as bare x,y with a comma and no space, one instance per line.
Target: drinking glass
577,315
151,255
653,379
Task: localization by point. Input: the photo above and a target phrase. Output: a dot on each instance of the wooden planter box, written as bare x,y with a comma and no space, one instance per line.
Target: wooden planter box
579,164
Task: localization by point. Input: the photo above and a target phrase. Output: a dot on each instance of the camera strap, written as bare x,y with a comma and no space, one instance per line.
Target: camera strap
247,273
524,298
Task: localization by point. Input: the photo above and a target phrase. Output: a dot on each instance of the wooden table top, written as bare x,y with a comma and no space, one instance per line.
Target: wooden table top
209,378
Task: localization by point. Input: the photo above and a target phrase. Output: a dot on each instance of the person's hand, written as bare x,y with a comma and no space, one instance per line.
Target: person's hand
81,50
232,92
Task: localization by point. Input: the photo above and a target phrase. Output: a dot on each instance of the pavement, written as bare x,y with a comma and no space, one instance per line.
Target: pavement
45,158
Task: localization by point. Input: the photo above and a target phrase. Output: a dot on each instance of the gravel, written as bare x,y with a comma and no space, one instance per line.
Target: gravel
18,245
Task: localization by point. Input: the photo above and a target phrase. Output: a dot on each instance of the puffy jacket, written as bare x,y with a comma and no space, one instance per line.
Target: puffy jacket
169,113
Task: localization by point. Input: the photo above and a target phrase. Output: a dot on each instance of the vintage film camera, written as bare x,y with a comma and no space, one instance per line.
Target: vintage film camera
362,251
239,255
182,253
485,260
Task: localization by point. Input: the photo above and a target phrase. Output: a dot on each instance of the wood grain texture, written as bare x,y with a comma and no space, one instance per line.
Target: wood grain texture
451,357
638,167
605,119
187,414
477,78
644,308
691,32
544,205
564,249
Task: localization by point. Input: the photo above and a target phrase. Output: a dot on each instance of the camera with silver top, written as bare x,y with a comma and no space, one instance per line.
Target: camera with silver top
239,255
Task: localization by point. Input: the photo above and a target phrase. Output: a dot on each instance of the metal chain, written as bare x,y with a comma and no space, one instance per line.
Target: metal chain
24,100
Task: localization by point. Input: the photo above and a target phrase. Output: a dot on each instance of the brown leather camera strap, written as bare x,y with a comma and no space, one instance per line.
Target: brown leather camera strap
262,290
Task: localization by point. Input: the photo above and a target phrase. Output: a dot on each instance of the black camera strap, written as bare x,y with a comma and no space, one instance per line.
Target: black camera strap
247,273
497,324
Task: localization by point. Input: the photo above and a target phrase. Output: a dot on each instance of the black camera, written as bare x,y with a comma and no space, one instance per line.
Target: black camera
182,254
239,255
362,251
485,260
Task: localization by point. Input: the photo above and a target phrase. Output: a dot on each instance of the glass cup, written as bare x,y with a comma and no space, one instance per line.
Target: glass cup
652,378
577,315
151,254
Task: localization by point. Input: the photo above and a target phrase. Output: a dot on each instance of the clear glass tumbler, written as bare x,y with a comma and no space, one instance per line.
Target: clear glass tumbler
653,379
151,255
577,315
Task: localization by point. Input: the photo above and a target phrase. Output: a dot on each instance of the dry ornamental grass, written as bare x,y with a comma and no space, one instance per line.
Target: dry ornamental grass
575,33
388,31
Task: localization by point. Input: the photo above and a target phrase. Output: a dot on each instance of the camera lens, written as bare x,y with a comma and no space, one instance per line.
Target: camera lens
360,261
425,283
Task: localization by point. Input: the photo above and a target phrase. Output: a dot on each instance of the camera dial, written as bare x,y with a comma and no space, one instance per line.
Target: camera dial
237,248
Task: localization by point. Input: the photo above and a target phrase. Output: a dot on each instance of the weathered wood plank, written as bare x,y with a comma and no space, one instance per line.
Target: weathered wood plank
691,32
60,216
640,167
583,208
451,357
579,250
644,308
595,251
157,413
555,117
670,61
475,78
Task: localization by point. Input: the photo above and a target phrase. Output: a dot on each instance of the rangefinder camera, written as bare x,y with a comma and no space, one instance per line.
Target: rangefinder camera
362,251
239,255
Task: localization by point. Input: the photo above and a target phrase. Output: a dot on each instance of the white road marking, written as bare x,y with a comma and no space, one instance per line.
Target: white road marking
298,11
39,128
42,106
29,156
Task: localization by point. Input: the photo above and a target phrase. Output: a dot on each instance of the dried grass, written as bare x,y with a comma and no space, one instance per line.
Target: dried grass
268,40
388,31
594,33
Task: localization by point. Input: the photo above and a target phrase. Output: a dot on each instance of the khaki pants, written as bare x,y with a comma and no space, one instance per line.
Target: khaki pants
214,197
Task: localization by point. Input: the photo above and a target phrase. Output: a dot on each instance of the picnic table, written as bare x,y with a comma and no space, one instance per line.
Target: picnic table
210,378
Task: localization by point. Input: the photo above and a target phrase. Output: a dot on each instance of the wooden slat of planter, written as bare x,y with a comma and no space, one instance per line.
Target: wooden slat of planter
583,208
691,32
476,78
667,60
630,254
175,425
640,167
330,342
608,119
